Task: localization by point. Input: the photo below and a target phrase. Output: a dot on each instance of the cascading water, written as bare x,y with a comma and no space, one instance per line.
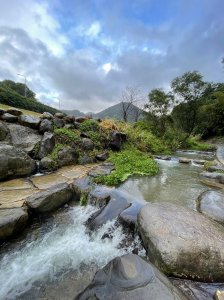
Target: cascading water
67,246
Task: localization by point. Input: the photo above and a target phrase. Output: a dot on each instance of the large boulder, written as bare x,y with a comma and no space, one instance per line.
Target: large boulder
128,217
47,164
4,131
47,144
211,204
12,221
9,118
87,144
117,140
47,115
130,277
53,198
67,156
14,162
182,242
29,121
14,112
59,115
24,137
46,125
59,123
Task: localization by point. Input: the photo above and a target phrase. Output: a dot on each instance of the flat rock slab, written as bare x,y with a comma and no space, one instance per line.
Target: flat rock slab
12,221
16,184
211,204
47,181
51,199
104,169
130,277
15,198
182,242
73,172
24,137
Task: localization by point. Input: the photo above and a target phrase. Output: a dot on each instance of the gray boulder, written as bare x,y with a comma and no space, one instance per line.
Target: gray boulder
59,123
9,118
53,198
47,144
29,121
211,204
87,144
183,160
24,137
47,164
47,115
117,140
130,277
46,125
103,169
182,242
129,215
14,112
2,111
59,115
67,156
102,156
81,188
80,119
14,162
4,131
100,196
12,221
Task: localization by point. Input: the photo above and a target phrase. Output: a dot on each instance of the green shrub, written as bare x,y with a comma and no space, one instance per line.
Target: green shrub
54,154
194,143
89,125
67,136
127,163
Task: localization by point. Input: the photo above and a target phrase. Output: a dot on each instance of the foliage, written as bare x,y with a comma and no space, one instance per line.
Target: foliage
54,153
127,163
18,88
194,143
89,125
175,138
159,102
12,98
67,136
83,199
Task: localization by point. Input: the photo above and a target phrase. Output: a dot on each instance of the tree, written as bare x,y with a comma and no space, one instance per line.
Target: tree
187,90
18,88
131,96
157,109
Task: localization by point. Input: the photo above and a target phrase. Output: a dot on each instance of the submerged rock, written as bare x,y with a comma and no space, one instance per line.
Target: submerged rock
12,221
14,162
130,277
211,204
182,242
51,199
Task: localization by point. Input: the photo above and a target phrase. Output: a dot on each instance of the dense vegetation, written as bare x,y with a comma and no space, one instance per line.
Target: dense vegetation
12,94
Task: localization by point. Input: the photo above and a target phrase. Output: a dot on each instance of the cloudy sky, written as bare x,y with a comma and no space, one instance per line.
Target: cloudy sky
85,52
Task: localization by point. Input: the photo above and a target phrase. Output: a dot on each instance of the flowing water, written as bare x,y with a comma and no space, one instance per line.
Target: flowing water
57,257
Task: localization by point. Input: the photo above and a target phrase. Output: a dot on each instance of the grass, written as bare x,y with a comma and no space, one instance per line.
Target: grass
127,163
26,112
194,143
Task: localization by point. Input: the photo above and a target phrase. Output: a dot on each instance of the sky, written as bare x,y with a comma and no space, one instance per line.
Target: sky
81,54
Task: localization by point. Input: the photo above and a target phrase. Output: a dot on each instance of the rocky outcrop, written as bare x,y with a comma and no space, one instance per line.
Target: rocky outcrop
12,221
53,198
47,145
14,162
29,121
67,156
182,242
23,137
211,204
130,277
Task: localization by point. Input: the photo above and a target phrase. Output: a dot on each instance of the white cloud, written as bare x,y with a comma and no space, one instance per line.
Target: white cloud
107,67
94,29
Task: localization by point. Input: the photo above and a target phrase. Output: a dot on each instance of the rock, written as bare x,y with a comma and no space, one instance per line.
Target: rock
51,199
117,140
84,135
182,242
77,125
47,144
85,159
129,277
212,175
59,115
102,156
80,119
46,125
12,221
111,211
129,215
9,118
100,196
81,187
216,168
47,164
67,156
47,115
163,157
221,178
69,119
101,170
2,111
23,137
219,295
14,112
87,144
4,131
211,204
14,162
59,123
69,126
29,121
199,161
183,160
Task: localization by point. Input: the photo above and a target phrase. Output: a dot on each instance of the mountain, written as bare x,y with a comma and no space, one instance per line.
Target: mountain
114,112
74,112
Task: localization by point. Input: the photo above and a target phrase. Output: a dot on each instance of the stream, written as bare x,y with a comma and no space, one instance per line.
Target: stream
57,257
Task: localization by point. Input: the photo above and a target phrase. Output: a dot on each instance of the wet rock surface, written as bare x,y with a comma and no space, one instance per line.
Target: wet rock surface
174,238
211,204
53,198
12,221
130,277
183,160
103,169
100,196
81,186
14,162
129,215
47,145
